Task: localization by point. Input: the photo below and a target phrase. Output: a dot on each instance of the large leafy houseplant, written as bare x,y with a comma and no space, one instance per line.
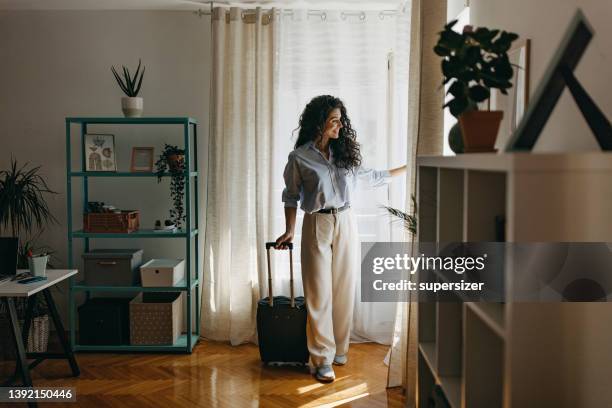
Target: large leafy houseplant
23,208
172,159
473,63
24,212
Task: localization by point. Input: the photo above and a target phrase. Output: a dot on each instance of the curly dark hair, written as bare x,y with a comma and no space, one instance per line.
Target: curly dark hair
345,148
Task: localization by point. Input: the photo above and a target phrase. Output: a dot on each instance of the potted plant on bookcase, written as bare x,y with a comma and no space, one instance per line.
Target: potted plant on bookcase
172,159
24,213
474,62
131,104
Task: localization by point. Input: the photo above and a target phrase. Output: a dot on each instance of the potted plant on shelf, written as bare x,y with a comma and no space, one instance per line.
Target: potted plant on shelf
23,212
172,159
131,104
474,62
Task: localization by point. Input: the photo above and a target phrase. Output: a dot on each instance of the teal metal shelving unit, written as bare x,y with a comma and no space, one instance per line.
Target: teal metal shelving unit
189,233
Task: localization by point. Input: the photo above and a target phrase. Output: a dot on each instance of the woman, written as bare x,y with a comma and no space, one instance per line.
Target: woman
321,173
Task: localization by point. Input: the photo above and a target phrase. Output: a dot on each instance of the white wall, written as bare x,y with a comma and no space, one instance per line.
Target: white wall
544,22
55,64
454,7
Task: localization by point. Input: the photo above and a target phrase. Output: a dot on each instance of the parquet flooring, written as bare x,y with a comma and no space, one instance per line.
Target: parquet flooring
217,375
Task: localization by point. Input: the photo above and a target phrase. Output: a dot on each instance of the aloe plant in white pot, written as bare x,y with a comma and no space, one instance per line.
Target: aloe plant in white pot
131,104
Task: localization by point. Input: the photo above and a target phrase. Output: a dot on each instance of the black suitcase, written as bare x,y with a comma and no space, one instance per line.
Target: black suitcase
281,323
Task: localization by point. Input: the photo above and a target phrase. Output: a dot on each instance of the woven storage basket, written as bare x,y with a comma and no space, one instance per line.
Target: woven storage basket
156,319
38,338
126,222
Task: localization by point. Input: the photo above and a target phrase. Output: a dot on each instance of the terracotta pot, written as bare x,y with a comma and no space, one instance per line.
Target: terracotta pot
479,129
176,162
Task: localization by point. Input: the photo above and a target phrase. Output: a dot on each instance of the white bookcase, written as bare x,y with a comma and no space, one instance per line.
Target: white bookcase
516,354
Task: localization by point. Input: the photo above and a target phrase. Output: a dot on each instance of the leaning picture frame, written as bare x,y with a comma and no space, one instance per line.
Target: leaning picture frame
515,102
142,160
100,152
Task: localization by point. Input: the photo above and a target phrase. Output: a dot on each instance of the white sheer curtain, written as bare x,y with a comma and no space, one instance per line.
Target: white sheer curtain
237,214
360,57
265,70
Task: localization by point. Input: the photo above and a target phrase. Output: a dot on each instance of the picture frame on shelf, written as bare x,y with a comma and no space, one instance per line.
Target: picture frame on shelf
142,160
514,104
100,152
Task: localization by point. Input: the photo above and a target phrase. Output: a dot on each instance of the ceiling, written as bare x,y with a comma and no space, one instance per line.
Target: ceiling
196,4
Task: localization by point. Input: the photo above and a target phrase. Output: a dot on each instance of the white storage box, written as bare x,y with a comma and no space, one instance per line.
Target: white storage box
162,272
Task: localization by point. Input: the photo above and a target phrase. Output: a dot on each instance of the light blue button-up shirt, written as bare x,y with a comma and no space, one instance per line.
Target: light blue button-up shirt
318,184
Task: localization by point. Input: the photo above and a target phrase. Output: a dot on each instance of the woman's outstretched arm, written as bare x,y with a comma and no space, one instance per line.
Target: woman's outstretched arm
398,171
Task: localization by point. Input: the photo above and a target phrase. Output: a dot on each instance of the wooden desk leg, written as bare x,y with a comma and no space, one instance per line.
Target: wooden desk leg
61,333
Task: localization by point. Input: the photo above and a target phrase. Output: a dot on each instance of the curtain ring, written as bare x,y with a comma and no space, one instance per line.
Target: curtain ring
381,15
362,16
323,16
343,15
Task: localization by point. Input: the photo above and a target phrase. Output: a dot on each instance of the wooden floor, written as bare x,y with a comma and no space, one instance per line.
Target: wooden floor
217,375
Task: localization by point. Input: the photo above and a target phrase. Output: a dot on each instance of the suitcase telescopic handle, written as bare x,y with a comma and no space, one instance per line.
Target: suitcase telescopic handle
273,245
270,297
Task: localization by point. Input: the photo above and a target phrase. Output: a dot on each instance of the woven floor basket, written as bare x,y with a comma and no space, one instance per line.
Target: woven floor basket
38,338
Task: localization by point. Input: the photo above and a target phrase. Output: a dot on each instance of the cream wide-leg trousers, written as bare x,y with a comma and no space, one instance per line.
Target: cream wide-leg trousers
330,262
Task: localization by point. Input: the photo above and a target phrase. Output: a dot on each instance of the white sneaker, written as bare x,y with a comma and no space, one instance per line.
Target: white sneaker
325,373
340,360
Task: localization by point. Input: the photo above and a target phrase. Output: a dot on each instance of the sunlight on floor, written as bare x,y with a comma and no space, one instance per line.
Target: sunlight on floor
308,388
344,401
354,393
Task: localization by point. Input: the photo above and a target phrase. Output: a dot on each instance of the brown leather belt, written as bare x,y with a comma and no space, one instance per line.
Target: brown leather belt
334,210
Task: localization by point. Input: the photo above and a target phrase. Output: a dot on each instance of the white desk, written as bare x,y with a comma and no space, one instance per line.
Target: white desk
54,276
11,290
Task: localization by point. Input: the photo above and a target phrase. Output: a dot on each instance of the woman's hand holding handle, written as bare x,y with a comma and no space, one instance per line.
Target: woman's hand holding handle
285,239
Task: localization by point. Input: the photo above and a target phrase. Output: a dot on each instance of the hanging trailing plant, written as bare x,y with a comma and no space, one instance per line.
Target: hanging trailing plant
172,160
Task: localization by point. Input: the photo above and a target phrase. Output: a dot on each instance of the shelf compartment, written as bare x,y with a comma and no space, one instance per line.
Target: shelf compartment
427,204
125,174
449,335
179,287
428,377
142,233
451,385
427,322
179,346
492,314
428,350
483,363
485,197
450,205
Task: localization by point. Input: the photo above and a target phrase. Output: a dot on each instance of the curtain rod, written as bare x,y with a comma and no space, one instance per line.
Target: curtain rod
316,13
322,14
